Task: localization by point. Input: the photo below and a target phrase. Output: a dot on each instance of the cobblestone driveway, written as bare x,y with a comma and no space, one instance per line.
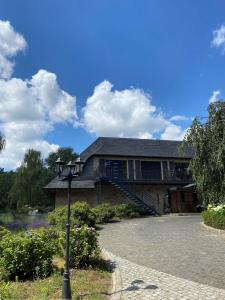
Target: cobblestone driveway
176,245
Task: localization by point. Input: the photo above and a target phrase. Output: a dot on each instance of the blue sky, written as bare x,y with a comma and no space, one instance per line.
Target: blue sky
159,55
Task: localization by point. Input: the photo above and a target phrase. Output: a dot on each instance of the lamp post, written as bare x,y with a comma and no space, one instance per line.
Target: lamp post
72,172
66,290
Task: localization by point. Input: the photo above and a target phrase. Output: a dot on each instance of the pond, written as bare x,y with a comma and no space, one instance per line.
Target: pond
16,221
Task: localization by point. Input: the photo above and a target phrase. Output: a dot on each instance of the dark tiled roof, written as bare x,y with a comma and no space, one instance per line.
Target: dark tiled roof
136,147
76,183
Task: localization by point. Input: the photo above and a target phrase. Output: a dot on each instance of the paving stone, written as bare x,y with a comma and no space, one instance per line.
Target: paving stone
179,246
142,272
147,283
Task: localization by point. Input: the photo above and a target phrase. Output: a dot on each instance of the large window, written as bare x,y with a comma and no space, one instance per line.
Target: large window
151,170
116,169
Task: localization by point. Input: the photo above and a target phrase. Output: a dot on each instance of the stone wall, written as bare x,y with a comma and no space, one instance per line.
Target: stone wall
152,195
87,195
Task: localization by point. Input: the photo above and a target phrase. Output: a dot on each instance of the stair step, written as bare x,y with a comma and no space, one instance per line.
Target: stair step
132,196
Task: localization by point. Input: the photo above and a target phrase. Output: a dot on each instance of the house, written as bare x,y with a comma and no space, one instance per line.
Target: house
150,173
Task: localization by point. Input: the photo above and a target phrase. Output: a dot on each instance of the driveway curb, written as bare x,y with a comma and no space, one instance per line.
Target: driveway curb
116,289
218,231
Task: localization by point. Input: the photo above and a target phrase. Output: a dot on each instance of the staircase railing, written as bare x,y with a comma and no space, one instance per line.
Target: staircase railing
132,196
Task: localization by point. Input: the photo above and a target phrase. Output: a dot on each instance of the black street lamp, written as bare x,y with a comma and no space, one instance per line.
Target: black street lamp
74,169
66,290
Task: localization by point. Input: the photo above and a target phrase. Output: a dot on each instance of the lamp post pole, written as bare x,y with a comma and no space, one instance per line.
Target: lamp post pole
66,290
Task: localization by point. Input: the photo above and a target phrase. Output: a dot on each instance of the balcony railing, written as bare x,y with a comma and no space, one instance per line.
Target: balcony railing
150,176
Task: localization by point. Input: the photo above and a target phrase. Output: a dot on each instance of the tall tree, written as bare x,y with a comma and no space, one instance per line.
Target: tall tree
65,153
208,165
29,181
2,142
6,182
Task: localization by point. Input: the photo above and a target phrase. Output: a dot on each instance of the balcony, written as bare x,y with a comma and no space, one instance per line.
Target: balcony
146,172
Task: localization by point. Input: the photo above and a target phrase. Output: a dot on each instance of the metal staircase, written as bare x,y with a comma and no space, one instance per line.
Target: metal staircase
123,189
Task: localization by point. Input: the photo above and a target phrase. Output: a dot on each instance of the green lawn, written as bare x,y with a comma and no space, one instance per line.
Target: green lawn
91,284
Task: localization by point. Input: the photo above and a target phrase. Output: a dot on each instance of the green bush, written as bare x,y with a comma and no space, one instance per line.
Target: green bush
84,246
128,211
81,214
3,232
103,213
214,219
83,243
50,236
25,256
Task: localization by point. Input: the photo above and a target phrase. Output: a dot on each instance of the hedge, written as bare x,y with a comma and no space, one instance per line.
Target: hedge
104,213
81,214
214,219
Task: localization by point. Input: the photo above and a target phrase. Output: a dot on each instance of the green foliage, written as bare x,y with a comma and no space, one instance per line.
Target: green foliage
66,154
81,214
214,219
6,182
83,246
29,181
208,164
3,232
215,216
25,256
85,284
51,236
103,213
128,211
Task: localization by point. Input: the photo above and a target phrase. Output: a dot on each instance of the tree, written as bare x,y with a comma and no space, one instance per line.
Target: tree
65,153
2,143
6,182
30,178
208,164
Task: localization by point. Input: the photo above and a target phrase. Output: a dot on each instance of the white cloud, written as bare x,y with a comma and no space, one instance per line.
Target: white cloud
126,113
11,43
178,118
216,96
219,38
173,132
29,109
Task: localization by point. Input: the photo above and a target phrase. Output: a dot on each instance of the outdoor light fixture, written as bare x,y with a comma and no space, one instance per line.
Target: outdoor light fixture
59,166
80,165
71,166
70,172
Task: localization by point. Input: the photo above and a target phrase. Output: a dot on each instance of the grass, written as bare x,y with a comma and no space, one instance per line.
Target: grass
90,284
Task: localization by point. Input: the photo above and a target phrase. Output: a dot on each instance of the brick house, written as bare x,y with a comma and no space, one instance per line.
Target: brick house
151,173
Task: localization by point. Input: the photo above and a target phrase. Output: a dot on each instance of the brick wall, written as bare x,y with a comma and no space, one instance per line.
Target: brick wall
110,194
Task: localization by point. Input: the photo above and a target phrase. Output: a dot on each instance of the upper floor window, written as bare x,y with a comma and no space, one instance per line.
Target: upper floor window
151,170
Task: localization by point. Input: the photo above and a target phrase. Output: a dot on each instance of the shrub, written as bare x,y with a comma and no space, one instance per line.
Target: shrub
103,213
128,211
215,216
81,214
52,237
3,232
25,256
84,246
